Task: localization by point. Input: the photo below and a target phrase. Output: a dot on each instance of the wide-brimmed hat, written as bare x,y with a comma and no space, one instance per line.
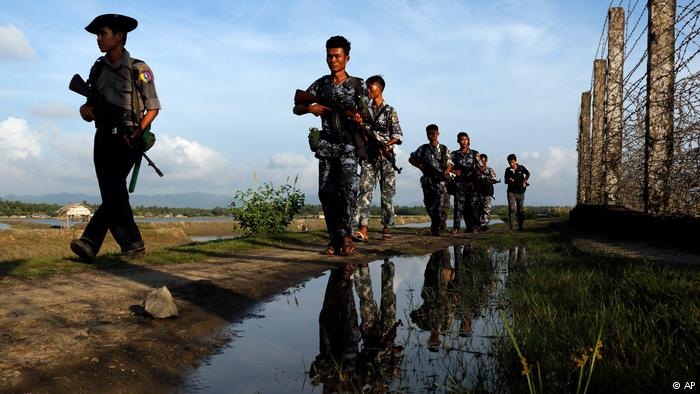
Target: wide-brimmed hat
118,22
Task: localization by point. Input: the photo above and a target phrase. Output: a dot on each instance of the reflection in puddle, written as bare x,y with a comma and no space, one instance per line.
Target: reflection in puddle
431,329
207,238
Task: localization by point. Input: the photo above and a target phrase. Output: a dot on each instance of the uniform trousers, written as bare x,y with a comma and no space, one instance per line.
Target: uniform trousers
433,190
338,185
113,161
466,207
371,171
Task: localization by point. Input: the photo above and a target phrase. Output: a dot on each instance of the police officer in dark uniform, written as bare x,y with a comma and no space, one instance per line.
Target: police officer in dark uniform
120,116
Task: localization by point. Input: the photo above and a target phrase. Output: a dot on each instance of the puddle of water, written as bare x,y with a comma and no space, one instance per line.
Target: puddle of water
4,226
207,238
346,323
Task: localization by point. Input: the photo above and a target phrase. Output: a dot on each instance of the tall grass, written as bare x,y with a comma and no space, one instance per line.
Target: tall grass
563,295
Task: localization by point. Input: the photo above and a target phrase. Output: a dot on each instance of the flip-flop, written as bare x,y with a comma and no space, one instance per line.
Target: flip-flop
348,248
359,236
330,251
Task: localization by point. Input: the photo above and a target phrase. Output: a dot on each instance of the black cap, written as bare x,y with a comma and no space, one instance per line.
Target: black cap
117,22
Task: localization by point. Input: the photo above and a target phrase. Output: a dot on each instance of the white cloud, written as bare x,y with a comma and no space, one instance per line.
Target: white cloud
17,141
287,160
52,110
188,160
553,175
14,45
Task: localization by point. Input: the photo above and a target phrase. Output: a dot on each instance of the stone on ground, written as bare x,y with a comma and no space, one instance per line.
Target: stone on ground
160,304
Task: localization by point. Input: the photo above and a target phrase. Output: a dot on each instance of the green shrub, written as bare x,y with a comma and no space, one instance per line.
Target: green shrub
266,209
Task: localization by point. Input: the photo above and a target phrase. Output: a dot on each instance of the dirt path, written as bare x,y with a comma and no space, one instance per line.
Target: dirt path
650,251
84,332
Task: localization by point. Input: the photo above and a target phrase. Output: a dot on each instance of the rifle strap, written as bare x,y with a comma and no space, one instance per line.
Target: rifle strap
136,117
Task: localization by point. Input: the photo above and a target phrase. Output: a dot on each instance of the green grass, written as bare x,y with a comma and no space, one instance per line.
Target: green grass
193,252
562,296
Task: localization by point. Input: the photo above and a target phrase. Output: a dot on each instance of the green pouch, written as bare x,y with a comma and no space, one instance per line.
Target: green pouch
314,136
148,139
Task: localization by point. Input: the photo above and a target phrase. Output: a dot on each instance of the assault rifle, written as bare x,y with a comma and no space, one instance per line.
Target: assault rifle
302,97
104,113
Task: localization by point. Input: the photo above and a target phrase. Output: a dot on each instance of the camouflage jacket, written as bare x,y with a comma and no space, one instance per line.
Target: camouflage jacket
437,158
466,162
386,126
352,94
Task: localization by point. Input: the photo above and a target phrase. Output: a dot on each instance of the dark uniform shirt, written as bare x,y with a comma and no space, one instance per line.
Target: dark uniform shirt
352,94
114,83
486,180
518,177
435,157
467,162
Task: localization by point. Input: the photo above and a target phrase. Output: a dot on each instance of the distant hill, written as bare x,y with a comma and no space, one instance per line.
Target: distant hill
179,200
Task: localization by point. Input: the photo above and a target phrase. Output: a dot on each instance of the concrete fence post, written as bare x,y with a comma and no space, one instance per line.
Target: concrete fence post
597,141
613,106
584,150
661,78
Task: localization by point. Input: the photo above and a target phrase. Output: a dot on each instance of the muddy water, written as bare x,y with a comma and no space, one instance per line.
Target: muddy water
409,324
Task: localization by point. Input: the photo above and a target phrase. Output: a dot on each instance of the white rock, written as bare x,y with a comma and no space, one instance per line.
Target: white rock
160,304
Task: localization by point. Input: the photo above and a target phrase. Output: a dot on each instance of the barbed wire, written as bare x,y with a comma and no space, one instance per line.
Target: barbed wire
684,179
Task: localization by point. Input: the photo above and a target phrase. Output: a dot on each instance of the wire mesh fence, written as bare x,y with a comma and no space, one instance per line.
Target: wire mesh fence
683,180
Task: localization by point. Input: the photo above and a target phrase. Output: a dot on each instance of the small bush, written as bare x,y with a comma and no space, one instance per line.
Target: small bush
266,209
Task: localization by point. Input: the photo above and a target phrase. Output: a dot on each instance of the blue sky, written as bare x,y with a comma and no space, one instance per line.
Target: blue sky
508,72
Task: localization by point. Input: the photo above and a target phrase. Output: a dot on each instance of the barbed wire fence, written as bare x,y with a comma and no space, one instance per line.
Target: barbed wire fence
655,172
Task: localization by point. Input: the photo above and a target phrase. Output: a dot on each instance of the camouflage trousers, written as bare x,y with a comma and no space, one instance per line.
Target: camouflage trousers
467,207
485,209
444,211
371,171
338,185
433,191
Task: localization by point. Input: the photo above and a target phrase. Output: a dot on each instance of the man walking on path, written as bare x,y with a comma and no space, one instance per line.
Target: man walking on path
487,178
516,177
434,160
118,130
466,201
387,132
338,182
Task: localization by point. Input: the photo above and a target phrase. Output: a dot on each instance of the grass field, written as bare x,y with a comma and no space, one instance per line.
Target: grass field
562,296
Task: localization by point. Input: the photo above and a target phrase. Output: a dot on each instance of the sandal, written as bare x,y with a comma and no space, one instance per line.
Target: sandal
362,235
330,250
348,247
386,234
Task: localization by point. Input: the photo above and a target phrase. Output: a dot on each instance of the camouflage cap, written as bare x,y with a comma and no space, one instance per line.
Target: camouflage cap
115,21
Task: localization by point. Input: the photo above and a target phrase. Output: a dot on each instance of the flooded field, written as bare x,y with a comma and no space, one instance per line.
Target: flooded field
405,324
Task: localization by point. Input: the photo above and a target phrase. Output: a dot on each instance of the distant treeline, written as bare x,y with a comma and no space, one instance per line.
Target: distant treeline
18,208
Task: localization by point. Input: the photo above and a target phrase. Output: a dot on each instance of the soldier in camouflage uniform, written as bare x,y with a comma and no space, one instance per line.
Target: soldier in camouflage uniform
434,160
338,182
487,178
466,201
387,130
339,332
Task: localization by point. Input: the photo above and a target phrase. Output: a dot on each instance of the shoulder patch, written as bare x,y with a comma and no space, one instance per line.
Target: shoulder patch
145,73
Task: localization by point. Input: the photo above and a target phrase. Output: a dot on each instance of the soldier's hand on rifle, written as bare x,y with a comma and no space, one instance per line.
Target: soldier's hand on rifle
317,109
132,139
86,112
386,149
357,118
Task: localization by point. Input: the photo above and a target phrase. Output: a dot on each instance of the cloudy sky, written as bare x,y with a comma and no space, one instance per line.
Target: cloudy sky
509,72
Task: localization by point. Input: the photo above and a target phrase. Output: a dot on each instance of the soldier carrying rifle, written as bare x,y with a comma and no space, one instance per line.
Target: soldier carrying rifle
115,80
340,142
385,132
